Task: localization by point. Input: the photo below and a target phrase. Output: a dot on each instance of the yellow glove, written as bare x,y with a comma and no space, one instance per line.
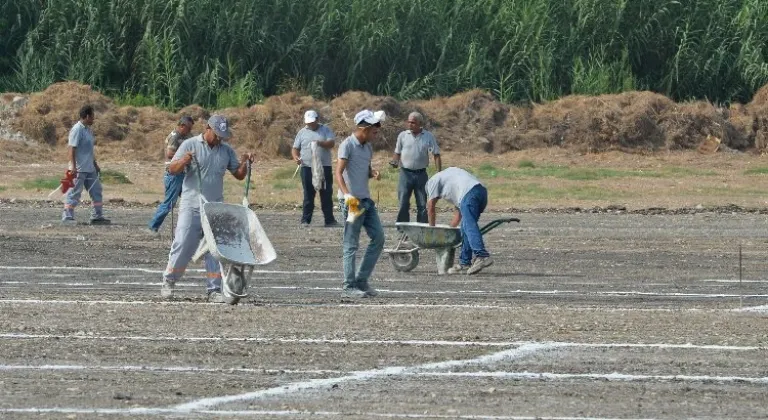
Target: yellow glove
353,207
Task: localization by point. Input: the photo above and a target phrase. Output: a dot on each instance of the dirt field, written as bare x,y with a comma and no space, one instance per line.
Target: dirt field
583,316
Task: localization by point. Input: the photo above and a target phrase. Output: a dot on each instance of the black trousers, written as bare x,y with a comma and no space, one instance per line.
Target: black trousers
326,201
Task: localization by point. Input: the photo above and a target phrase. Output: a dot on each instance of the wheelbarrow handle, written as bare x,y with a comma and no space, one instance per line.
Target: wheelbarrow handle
496,223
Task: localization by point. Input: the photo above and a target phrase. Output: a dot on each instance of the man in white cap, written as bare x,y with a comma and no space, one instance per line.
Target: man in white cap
205,176
352,174
412,155
312,150
469,197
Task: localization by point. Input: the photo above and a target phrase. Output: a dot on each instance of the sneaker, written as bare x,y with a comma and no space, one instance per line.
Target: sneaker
304,224
479,264
100,220
369,291
215,296
458,269
68,221
333,224
353,293
167,290
152,232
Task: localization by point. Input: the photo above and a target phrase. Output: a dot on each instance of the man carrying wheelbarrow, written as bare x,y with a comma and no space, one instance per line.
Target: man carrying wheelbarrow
212,159
352,174
470,198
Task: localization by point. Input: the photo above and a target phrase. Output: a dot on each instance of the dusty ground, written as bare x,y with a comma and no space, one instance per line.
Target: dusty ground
582,316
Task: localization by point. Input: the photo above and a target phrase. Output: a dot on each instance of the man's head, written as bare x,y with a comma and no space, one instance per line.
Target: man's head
415,122
368,124
311,120
86,114
185,125
216,130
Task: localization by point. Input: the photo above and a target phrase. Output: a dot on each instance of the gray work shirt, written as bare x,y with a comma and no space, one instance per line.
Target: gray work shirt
414,150
81,138
358,157
303,143
451,184
174,140
214,162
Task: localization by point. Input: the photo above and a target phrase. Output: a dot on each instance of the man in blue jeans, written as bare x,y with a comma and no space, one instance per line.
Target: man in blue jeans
172,183
352,174
470,198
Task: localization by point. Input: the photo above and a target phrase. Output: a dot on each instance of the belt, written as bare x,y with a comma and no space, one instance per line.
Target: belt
413,170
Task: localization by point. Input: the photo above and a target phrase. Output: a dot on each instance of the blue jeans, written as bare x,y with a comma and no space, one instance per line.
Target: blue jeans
472,206
412,182
173,185
372,224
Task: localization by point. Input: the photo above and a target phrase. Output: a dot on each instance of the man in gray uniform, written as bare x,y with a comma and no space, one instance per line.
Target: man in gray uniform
213,158
470,198
82,161
302,152
352,174
412,155
172,182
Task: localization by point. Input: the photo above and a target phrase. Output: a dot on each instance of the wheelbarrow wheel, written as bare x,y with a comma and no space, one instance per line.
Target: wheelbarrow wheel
234,285
405,261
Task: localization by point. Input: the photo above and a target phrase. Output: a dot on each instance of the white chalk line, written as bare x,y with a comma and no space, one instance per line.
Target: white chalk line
731,281
611,377
404,342
757,309
281,413
313,384
342,305
550,376
170,369
149,270
554,293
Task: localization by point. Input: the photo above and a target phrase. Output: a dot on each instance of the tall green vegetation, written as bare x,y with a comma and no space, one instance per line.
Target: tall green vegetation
175,52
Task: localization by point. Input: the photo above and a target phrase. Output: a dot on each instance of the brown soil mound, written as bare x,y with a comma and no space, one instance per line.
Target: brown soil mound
470,122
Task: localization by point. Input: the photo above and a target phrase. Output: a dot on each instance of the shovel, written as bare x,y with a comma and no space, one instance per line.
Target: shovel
246,204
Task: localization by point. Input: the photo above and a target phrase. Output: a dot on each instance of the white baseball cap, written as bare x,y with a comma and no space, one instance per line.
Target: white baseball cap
367,117
310,116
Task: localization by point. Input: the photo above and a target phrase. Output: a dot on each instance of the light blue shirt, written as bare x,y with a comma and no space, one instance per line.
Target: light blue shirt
81,138
414,150
305,138
214,162
358,157
451,184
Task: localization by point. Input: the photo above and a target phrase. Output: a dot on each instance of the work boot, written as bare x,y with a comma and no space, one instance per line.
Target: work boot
369,291
479,264
167,290
458,269
353,293
68,217
215,296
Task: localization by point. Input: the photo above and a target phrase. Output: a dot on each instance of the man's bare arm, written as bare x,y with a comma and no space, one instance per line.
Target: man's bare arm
439,163
340,166
72,158
456,218
432,211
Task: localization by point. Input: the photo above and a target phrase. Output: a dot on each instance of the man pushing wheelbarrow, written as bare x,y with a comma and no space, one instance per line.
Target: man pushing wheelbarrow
470,198
207,159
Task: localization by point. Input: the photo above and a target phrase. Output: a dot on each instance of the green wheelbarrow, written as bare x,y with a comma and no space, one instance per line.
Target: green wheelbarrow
442,238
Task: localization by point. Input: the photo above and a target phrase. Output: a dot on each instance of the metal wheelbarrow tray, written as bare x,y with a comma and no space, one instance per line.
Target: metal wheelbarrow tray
442,238
235,238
